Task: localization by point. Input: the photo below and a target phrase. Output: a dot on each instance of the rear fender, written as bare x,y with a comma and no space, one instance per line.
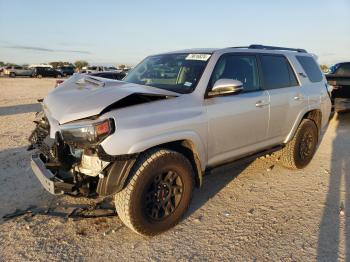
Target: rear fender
297,123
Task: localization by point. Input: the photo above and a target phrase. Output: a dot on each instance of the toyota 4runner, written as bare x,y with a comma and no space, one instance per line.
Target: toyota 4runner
149,139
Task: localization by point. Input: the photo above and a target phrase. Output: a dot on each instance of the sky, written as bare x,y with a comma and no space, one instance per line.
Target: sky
124,32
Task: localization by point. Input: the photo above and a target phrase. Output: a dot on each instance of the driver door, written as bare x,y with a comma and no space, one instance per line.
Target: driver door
238,122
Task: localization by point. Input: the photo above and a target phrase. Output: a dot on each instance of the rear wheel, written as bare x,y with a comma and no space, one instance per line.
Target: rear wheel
12,74
39,76
158,193
298,153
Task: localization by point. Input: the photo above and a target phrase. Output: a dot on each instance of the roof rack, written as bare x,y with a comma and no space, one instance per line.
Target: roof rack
266,47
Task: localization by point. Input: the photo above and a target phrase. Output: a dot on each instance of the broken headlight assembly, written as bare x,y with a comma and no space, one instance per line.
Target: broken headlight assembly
84,134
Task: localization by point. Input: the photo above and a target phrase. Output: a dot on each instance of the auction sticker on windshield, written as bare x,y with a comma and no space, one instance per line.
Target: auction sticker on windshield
201,57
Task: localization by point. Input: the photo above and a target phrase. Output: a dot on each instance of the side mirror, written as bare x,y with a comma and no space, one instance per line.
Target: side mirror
226,86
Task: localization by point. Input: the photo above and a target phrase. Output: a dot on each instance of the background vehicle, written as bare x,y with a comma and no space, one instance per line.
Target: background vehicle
149,139
339,78
66,70
46,72
5,70
96,69
91,69
40,65
14,71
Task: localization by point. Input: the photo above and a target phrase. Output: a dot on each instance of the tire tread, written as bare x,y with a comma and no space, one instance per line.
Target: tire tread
123,198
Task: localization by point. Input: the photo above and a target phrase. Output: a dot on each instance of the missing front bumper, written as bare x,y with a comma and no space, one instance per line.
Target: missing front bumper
50,182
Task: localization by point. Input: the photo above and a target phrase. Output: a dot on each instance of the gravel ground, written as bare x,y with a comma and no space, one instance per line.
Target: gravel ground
256,211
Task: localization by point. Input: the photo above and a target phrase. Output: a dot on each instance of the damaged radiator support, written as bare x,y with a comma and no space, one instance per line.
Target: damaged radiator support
91,165
62,168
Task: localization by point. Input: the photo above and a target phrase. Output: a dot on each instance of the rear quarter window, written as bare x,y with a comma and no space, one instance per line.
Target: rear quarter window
277,72
311,68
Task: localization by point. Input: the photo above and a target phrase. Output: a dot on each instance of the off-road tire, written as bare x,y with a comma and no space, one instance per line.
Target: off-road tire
291,156
130,202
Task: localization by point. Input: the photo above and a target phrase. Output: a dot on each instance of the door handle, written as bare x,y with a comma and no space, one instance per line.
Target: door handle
261,103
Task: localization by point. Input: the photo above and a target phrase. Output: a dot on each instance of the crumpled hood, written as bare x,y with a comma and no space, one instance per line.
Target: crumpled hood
83,96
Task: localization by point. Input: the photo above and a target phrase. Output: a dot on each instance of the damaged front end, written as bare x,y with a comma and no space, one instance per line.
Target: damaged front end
73,162
67,139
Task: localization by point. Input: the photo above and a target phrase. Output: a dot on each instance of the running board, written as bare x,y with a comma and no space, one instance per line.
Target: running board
244,160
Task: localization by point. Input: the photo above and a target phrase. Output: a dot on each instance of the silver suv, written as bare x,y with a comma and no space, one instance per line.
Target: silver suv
149,139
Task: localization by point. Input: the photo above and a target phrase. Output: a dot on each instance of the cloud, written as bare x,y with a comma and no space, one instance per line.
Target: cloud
42,49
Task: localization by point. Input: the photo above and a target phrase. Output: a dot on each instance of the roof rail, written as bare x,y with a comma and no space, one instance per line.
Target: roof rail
266,47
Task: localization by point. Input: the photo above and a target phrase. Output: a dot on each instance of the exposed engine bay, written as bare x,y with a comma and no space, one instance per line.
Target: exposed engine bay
75,171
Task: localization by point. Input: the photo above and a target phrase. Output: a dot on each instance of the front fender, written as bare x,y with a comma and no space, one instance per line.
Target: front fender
191,136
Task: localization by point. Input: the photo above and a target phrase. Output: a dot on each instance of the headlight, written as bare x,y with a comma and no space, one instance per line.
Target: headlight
87,133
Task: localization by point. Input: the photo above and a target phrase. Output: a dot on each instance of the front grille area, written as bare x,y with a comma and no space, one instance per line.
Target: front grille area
55,152
40,134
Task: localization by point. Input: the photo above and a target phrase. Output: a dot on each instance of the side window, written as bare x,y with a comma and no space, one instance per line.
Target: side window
311,68
343,70
277,72
238,67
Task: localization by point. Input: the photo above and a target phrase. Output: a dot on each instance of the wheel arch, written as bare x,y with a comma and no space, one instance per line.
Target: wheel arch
189,150
314,115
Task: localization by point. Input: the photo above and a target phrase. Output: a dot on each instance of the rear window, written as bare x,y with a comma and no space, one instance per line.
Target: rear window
343,70
277,72
311,68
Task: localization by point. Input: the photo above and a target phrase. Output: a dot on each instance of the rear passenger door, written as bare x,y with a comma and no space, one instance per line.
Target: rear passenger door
286,96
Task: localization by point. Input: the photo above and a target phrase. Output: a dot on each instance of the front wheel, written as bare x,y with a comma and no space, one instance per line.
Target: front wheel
158,193
298,152
12,74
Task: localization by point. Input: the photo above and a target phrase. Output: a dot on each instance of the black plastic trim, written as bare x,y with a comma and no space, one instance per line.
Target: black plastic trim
101,153
115,177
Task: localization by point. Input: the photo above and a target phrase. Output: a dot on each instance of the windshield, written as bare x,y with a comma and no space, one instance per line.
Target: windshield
174,72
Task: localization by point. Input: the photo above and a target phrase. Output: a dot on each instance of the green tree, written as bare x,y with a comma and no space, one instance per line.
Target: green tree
80,64
10,64
324,68
122,67
2,63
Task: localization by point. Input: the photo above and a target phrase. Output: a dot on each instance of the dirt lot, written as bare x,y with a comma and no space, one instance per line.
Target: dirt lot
258,211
